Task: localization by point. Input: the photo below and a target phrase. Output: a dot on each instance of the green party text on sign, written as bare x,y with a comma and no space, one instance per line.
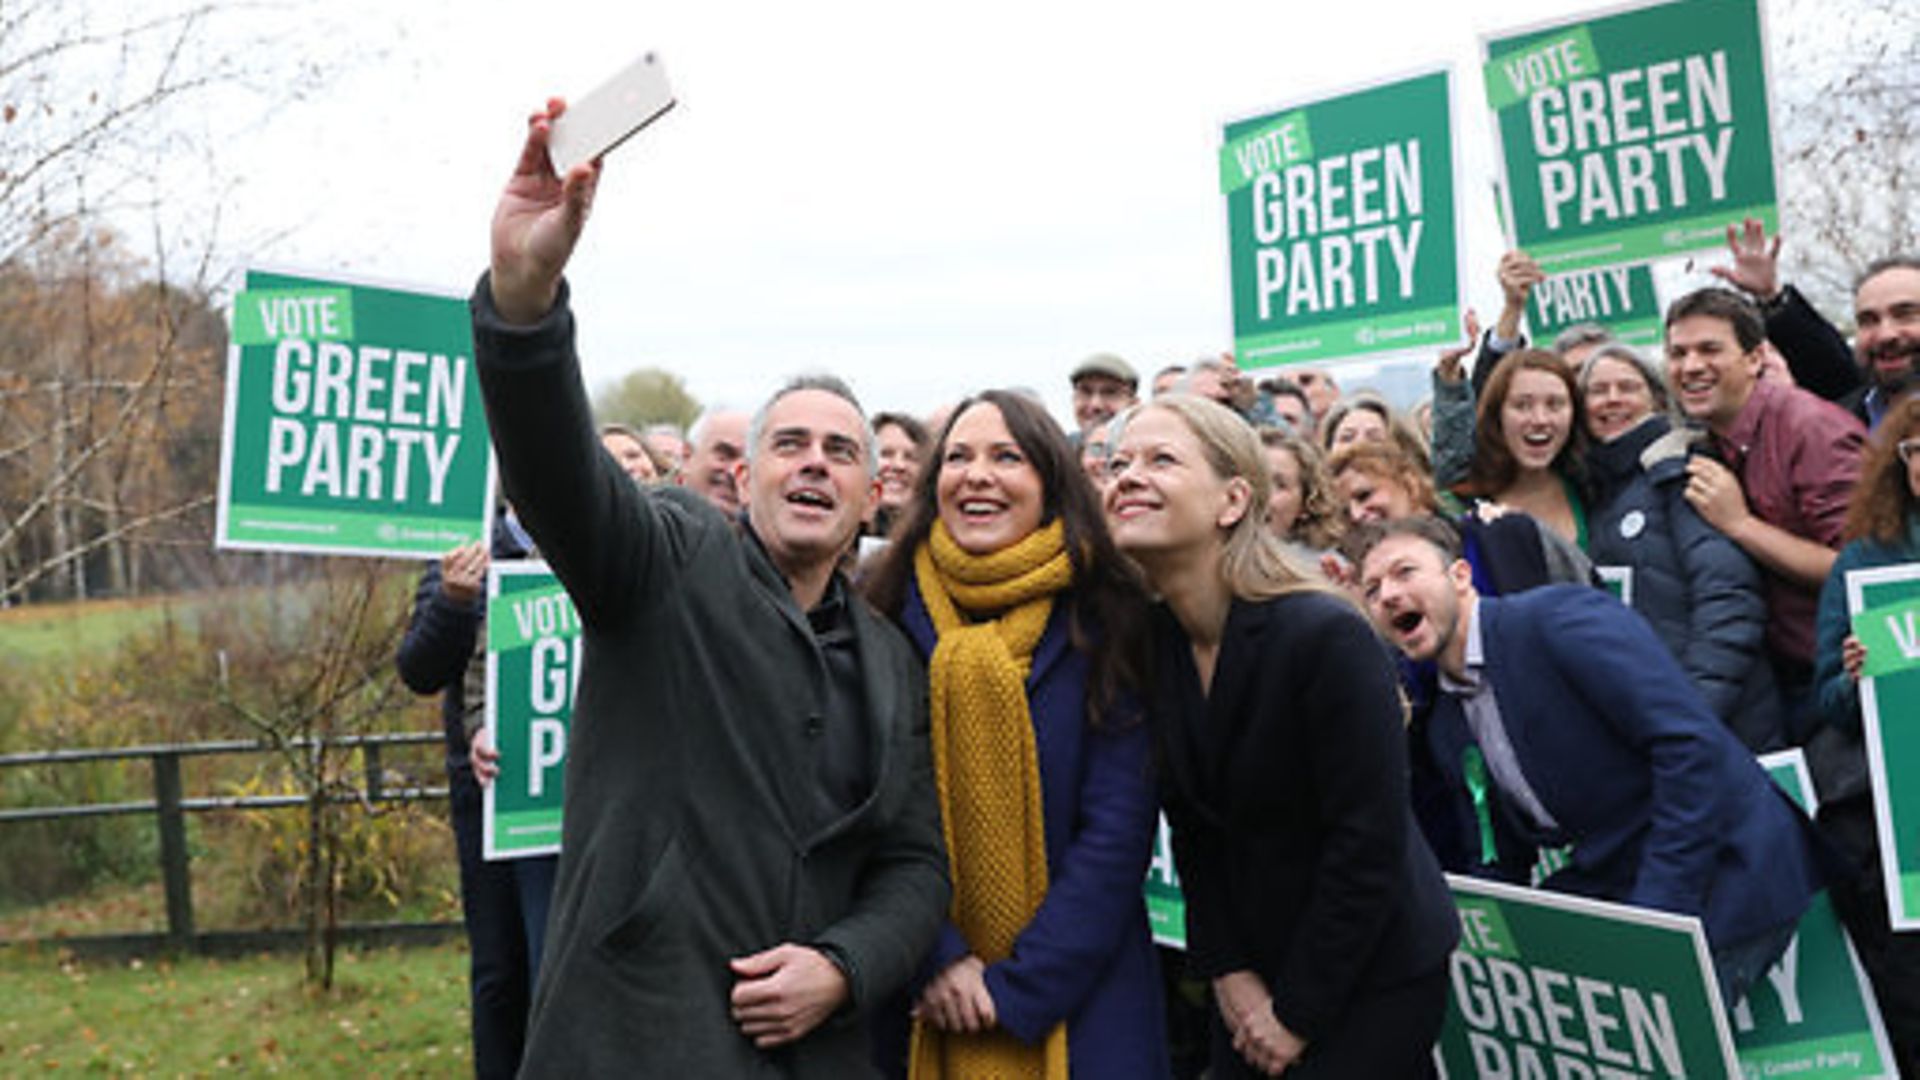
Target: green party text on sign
1633,135
1618,299
1545,985
1890,717
1166,905
530,694
1341,226
1812,1016
353,422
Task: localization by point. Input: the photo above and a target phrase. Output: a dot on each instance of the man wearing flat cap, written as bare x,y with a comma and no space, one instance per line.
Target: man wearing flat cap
1103,387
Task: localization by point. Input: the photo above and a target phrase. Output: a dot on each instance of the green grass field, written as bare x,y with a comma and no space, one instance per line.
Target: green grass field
45,633
394,1012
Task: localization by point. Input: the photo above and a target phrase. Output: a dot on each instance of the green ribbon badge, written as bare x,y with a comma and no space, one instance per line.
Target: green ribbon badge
1516,76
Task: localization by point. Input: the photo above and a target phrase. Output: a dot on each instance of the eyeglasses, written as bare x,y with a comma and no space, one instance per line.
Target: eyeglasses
1908,449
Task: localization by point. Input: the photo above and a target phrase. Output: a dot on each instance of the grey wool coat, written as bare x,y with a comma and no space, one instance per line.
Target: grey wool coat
695,829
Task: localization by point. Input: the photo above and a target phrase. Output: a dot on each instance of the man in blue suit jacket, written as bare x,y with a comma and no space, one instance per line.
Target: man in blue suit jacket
1590,734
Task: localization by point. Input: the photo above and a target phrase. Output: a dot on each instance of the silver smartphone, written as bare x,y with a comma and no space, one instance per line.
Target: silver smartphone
610,114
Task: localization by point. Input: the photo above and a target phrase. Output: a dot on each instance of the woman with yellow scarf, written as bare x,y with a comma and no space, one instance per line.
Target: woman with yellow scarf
1033,627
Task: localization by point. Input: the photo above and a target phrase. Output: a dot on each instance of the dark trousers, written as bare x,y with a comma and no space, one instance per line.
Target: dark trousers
504,905
1385,1034
1860,899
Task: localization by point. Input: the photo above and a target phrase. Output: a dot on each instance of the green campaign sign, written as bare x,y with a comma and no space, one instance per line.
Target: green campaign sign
1814,1013
353,421
1341,229
1618,298
1633,135
1545,985
1890,714
530,687
1166,906
1891,634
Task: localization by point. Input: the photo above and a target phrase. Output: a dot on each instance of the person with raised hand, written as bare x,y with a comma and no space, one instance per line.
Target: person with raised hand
751,853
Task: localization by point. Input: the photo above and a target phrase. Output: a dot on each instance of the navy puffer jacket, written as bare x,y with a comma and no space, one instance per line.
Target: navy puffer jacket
1699,590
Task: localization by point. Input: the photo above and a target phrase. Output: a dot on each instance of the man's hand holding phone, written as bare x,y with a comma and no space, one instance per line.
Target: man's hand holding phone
537,223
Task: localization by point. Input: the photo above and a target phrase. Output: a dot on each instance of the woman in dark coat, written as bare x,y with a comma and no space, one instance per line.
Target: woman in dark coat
1034,629
1313,904
1698,589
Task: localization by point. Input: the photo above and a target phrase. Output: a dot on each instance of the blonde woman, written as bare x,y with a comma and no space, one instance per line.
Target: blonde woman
1313,904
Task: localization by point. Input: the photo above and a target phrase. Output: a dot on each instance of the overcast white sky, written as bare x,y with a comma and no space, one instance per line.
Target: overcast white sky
927,200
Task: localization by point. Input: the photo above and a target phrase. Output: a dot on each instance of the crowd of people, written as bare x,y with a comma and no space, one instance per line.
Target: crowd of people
879,713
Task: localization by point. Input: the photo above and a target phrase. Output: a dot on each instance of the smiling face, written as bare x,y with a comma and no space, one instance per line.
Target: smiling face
1618,398
1887,312
1373,498
1711,375
1283,506
1099,398
899,466
990,496
807,482
1163,498
1536,419
1417,599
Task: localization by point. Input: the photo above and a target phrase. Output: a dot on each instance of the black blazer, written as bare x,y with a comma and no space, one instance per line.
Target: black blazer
1286,788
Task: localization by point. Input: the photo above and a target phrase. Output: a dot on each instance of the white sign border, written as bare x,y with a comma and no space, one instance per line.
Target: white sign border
1455,117
223,497
1664,920
1504,192
1878,780
489,849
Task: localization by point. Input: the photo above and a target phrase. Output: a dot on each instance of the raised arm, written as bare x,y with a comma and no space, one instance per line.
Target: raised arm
537,223
593,526
1815,352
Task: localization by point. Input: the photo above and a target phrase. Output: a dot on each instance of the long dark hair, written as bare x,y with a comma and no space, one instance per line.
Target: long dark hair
1107,601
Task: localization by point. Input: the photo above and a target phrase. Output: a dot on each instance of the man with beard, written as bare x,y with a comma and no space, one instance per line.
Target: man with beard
1562,705
1886,308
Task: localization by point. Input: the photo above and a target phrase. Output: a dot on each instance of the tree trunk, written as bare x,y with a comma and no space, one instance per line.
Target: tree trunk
313,887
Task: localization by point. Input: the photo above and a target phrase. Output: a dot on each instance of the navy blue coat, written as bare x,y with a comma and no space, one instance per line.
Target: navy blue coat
1664,807
1086,957
1286,786
1699,591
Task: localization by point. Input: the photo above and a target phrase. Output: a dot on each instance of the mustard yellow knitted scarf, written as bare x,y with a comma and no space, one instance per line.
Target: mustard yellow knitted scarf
988,773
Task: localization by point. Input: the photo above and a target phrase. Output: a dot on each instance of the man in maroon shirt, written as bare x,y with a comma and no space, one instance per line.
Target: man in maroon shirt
1791,458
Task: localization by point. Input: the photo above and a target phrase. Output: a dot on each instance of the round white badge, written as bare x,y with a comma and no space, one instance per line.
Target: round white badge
1633,524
